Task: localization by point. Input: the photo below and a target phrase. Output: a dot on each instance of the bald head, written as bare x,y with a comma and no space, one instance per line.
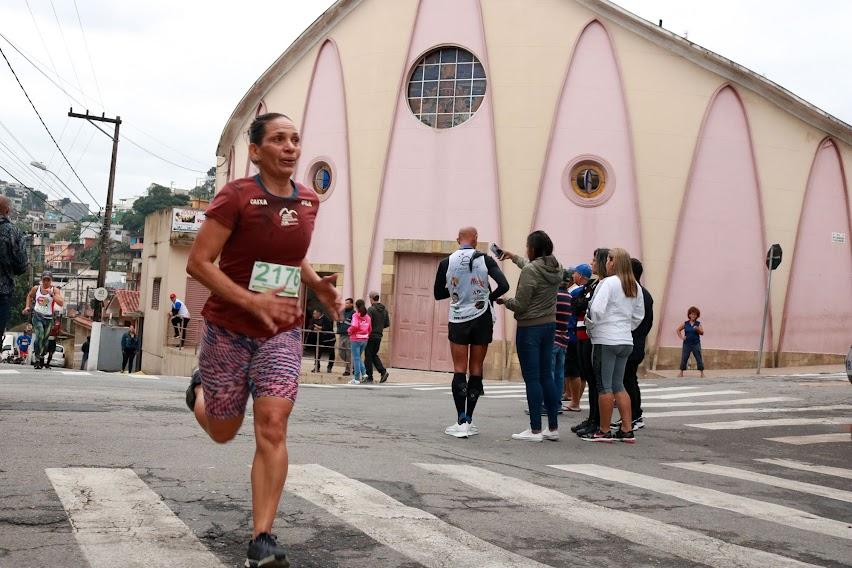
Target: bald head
5,205
468,236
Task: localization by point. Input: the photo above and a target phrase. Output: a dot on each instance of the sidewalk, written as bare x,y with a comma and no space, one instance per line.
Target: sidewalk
751,373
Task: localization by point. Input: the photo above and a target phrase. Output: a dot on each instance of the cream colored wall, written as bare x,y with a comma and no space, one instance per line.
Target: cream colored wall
160,260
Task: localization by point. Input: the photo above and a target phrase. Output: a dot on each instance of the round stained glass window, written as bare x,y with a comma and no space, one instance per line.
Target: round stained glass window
588,180
446,87
322,179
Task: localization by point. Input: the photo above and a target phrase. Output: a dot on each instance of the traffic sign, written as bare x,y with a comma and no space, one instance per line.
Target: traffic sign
100,294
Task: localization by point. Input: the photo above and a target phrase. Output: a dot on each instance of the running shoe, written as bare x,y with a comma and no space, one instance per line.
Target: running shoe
385,376
590,428
616,424
190,390
597,436
472,429
582,425
528,436
367,381
626,437
462,431
264,552
639,423
552,435
355,381
453,429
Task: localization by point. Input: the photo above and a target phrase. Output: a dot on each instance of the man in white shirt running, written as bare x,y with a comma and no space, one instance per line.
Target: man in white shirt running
463,277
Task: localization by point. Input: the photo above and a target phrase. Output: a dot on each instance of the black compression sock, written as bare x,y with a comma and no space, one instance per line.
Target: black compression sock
474,391
459,393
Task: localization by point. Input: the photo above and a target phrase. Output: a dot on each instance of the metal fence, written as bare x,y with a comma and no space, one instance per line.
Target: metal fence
317,346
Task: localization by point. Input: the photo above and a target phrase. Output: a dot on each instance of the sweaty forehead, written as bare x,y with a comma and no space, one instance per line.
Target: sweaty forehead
281,126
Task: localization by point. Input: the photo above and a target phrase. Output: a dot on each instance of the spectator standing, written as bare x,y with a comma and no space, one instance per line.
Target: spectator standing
129,348
575,384
344,348
690,333
359,334
640,334
13,260
51,338
561,338
323,331
380,321
180,318
85,349
24,341
534,306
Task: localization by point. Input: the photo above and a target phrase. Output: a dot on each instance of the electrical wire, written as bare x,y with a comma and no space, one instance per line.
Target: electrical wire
89,55
33,62
36,194
65,44
12,69
43,43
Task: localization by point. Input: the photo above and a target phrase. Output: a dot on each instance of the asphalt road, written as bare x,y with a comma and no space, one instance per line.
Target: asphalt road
374,482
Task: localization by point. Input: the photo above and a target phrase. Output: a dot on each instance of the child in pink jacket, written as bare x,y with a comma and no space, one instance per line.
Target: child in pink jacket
359,333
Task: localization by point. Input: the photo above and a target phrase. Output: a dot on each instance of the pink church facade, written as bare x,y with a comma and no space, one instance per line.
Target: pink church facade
578,118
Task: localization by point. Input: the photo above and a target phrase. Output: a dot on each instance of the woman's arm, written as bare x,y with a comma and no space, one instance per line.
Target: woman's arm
600,299
273,311
699,329
523,294
679,332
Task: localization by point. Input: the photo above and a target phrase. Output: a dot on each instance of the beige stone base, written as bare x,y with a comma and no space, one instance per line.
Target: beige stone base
790,359
669,358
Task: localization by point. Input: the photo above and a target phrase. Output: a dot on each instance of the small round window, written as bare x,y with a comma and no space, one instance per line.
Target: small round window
446,87
588,181
321,178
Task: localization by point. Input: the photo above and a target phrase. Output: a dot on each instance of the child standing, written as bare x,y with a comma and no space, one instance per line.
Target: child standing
359,333
690,332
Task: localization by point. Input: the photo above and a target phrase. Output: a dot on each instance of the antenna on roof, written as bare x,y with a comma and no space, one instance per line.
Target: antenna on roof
661,23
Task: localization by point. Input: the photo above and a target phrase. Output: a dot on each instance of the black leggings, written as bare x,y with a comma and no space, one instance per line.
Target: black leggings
128,357
587,372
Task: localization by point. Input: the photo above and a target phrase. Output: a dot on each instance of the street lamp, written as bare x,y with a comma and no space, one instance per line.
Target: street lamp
42,167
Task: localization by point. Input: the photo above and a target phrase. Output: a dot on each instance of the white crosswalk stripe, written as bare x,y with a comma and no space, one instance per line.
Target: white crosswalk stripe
412,532
742,424
746,475
75,372
804,466
671,539
118,520
813,439
762,510
9,372
744,410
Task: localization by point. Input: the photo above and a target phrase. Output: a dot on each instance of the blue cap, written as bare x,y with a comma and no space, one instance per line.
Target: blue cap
583,270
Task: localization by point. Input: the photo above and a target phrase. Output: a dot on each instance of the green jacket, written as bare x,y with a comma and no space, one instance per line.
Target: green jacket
535,298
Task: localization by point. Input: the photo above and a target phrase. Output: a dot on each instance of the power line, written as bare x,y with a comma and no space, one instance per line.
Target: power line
24,167
65,44
12,69
32,61
36,194
89,54
43,43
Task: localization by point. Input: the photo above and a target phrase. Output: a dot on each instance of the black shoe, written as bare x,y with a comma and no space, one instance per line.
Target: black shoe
190,390
577,427
589,429
264,552
367,381
597,436
626,437
385,376
346,373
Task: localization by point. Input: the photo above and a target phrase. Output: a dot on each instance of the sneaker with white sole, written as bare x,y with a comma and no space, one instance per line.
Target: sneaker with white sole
458,430
528,436
472,429
355,382
639,423
616,424
552,435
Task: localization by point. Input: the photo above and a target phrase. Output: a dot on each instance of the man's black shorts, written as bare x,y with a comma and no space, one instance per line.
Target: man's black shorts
572,361
477,331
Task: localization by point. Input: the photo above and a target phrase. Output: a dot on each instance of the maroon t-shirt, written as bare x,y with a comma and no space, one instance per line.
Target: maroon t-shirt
266,228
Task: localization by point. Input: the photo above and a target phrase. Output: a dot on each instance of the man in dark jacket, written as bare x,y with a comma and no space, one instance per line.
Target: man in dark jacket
631,381
129,347
13,260
380,320
344,346
322,331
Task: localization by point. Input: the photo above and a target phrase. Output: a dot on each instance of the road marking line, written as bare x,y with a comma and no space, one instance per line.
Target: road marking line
75,372
762,510
804,466
812,439
417,534
664,389
742,424
515,386
736,401
671,539
9,372
771,480
713,411
691,394
117,519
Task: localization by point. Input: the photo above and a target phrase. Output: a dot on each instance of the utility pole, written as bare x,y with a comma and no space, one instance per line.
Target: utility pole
32,235
105,239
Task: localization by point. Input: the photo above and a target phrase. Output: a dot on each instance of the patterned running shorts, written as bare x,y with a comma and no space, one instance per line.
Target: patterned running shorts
231,364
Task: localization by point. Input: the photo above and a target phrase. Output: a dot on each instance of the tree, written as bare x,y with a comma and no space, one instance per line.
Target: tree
92,255
159,197
206,189
34,200
70,233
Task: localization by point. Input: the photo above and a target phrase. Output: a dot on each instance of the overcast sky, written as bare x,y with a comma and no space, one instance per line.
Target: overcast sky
174,70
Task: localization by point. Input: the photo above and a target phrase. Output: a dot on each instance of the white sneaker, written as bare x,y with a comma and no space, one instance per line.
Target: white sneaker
528,436
355,382
552,435
459,430
472,429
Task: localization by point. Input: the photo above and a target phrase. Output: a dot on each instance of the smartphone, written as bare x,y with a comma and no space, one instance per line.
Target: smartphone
496,251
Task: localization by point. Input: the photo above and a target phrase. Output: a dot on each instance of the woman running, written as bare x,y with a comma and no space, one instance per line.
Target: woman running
260,229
